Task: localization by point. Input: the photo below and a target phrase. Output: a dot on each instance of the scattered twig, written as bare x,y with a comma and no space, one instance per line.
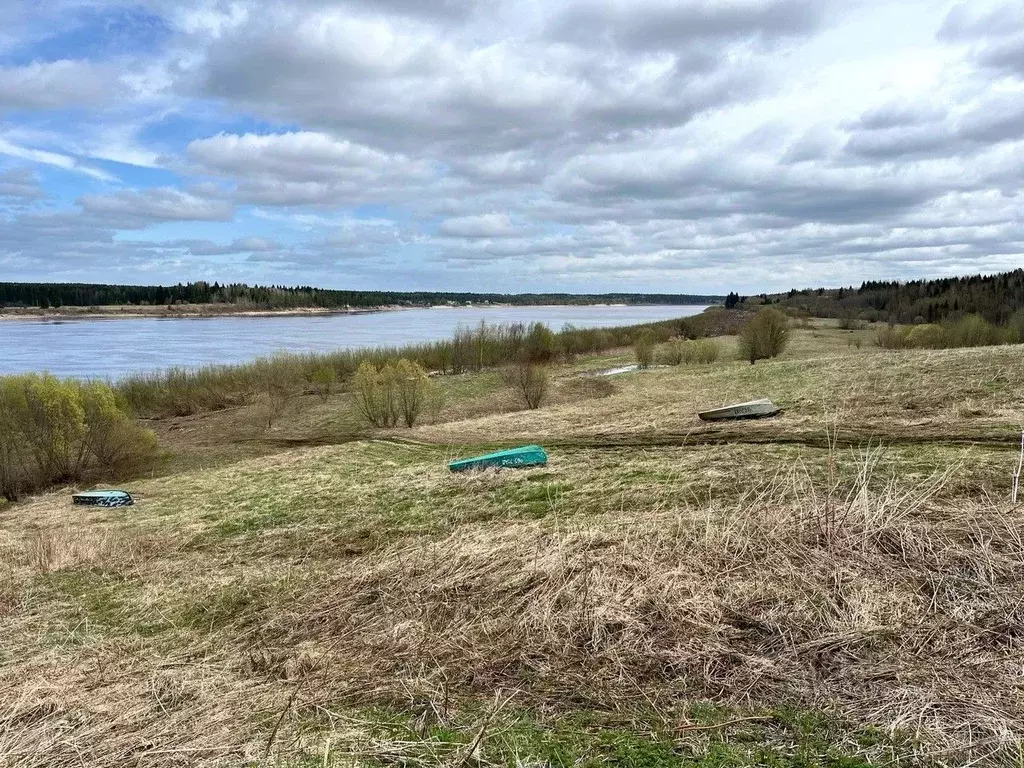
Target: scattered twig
1020,466
498,706
294,694
723,724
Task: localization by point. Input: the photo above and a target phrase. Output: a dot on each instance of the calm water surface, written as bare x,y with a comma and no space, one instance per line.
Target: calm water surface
115,347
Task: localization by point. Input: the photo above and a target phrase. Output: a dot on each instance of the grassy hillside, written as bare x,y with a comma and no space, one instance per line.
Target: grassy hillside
838,586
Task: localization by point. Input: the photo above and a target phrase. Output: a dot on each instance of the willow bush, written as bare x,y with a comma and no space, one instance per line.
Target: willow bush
392,393
968,331
765,336
530,382
323,380
643,348
56,431
700,352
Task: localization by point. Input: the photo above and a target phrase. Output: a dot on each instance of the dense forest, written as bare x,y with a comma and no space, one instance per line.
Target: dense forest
47,295
994,297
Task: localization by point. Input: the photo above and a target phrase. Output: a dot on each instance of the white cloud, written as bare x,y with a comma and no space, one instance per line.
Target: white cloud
303,167
20,183
481,226
132,208
750,144
52,158
56,84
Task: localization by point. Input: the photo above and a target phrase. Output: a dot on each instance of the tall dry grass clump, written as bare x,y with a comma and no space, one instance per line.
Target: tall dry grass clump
55,431
765,336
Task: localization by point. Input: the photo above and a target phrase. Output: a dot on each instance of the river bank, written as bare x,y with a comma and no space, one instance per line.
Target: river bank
114,346
183,311
664,592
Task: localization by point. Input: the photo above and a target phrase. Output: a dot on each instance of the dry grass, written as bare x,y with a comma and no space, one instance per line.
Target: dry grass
888,603
889,607
56,549
962,395
352,604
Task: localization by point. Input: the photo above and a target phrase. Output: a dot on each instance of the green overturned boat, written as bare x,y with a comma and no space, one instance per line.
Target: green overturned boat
526,456
108,498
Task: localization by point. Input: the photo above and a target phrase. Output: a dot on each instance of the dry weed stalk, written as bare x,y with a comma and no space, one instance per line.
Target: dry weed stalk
1016,474
54,549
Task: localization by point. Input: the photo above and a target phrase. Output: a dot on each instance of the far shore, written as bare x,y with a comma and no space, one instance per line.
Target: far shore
192,311
178,311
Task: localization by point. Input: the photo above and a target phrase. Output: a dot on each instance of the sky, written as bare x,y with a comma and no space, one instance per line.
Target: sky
701,146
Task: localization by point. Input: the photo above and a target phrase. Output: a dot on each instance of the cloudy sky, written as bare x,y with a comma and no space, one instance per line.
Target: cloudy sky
649,145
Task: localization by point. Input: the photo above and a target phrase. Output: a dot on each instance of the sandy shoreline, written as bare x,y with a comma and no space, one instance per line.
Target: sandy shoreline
196,311
182,312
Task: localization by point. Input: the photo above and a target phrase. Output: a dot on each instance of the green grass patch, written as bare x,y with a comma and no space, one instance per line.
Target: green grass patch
90,601
703,736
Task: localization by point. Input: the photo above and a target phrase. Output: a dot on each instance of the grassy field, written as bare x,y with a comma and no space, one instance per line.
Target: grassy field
838,586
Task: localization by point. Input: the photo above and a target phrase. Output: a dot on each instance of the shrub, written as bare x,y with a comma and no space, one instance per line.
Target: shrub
928,336
393,392
974,331
529,381
541,344
572,341
414,390
643,348
181,392
275,392
849,322
323,379
671,353
52,425
765,336
700,351
112,436
56,431
970,331
892,337
375,394
1015,328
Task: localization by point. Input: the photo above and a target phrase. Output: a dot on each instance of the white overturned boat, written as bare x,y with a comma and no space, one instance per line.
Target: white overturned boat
755,409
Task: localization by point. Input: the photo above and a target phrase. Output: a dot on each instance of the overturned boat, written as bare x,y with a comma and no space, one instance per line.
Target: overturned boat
755,409
525,456
110,498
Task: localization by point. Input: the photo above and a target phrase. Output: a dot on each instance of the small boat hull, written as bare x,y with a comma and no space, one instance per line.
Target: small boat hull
111,498
755,409
525,456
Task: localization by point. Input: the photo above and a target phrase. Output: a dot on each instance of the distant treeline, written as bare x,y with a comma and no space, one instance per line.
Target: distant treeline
47,295
994,297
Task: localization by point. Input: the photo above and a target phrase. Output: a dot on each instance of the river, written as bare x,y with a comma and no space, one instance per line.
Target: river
114,347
